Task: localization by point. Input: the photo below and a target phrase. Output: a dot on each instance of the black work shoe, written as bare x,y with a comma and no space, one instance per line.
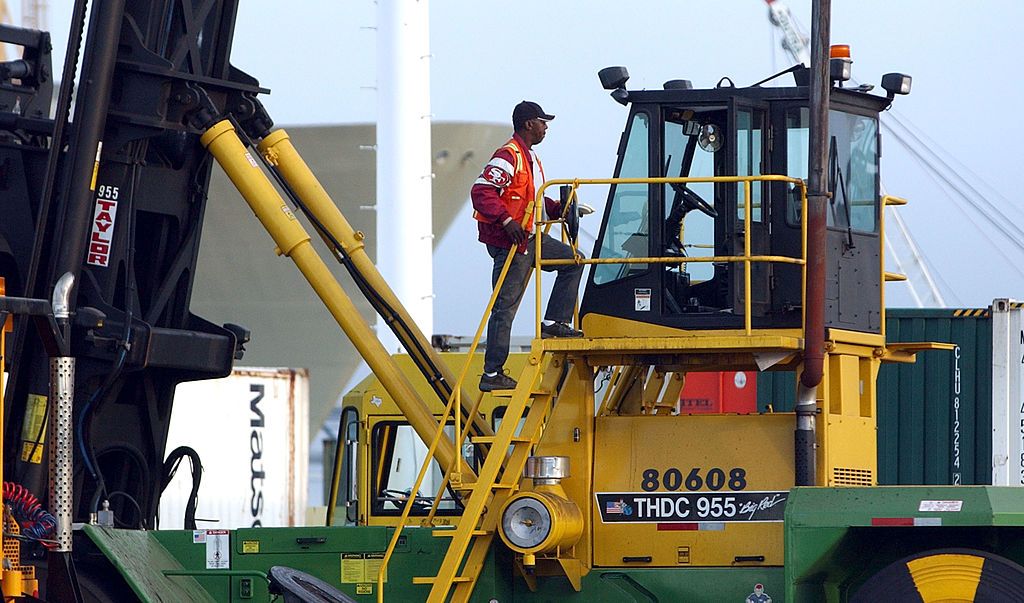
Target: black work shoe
489,383
559,329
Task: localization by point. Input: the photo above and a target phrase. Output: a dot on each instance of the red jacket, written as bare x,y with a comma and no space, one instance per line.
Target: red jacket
504,191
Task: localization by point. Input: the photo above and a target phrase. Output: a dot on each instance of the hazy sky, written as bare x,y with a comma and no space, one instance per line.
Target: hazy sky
319,58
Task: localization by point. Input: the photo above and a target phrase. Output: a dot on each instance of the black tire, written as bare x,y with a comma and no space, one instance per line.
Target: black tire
946,575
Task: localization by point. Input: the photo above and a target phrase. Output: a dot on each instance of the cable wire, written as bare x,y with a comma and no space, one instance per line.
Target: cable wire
170,467
996,218
997,222
35,521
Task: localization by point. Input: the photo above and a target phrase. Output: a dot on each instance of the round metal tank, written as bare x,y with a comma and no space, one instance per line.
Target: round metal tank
547,468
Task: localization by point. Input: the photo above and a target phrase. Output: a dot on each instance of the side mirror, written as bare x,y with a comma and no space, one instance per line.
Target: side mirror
614,79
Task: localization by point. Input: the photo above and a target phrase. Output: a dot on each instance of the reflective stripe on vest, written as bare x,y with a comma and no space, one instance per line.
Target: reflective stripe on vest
518,195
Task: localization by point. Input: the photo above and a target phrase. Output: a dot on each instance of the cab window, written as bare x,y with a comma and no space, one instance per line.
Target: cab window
852,170
398,455
626,231
749,127
348,491
855,167
691,139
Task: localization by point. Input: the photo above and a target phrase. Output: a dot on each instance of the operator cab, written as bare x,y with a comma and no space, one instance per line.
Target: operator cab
723,132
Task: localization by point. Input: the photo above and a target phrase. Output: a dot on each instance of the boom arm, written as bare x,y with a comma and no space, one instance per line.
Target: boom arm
277,148
292,240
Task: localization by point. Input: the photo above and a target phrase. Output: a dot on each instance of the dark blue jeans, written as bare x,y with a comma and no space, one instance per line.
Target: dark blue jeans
560,304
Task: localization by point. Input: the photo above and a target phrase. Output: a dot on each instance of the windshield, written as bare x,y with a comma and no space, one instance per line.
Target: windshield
625,234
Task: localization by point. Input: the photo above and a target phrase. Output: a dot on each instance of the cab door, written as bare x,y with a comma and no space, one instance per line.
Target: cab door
853,269
853,282
749,156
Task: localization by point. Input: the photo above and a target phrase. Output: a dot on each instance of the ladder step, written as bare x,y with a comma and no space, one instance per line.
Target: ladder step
507,393
445,533
502,393
471,486
433,579
490,440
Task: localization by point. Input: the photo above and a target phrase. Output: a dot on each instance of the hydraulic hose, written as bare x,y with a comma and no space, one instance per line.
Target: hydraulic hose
33,519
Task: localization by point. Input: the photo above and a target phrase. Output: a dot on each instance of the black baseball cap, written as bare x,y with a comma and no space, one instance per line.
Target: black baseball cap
526,111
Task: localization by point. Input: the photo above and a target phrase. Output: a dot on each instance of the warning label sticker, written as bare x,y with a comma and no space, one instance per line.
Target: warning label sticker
33,430
218,553
361,567
353,568
642,300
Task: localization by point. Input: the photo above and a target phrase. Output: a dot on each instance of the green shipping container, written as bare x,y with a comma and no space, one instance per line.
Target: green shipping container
934,416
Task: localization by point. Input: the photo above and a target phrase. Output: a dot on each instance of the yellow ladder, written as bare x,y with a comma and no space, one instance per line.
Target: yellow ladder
497,480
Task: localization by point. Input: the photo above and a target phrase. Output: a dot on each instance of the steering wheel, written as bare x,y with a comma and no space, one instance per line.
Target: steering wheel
692,200
420,503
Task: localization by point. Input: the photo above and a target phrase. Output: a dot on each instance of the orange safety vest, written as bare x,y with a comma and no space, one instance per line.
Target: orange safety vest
520,193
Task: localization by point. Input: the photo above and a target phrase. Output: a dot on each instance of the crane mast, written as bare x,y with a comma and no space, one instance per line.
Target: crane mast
794,41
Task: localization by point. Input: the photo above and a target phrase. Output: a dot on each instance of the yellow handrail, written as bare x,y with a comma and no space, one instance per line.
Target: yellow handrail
781,259
887,200
746,259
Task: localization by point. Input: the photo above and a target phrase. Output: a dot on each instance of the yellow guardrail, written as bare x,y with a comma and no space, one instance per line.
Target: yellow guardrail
747,259
887,200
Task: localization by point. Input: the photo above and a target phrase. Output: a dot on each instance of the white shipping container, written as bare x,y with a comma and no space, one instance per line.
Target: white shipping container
250,430
1007,393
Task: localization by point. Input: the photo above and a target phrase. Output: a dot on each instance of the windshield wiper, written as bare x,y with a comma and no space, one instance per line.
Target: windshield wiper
836,176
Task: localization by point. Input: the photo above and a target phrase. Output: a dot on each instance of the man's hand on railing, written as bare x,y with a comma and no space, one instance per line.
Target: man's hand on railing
515,231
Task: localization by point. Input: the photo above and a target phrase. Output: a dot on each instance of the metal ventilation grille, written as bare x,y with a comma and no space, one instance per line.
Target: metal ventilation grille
12,547
843,476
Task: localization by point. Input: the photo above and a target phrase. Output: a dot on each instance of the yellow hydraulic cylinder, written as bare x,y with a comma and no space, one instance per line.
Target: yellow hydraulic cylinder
280,152
292,240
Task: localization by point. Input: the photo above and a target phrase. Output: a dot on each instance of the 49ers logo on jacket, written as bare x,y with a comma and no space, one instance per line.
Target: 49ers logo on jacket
102,235
497,176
